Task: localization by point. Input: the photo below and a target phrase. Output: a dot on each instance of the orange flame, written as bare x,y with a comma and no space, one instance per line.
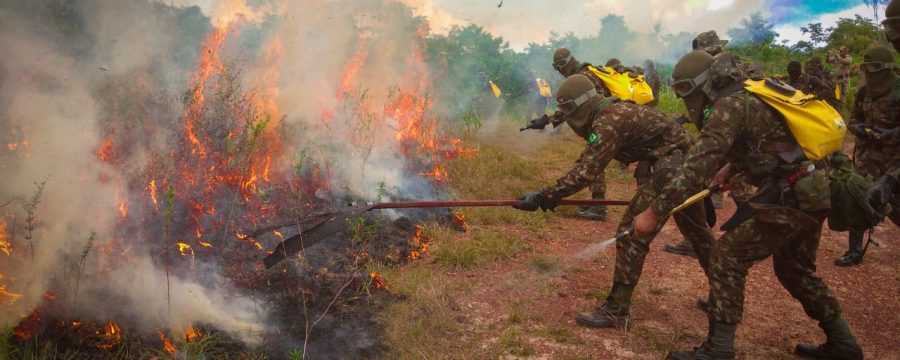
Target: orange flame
184,249
247,239
205,244
377,280
123,209
152,187
105,149
191,334
419,243
12,146
460,221
167,345
6,296
5,246
278,234
112,333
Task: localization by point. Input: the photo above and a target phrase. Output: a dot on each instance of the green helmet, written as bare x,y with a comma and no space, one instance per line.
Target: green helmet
575,97
878,63
891,23
690,76
564,62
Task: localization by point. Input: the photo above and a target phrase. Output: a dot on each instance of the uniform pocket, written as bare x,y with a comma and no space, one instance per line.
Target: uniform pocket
813,192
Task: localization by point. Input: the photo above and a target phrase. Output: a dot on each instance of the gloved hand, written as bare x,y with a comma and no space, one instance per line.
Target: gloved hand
882,134
859,131
535,200
538,124
877,196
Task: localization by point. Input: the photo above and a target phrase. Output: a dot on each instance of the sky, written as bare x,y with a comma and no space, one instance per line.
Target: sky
521,22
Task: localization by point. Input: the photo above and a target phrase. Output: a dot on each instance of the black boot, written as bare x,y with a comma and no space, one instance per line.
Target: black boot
614,313
839,344
719,345
683,248
854,255
596,213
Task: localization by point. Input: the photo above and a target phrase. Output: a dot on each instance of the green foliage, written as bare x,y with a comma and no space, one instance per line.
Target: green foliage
857,34
478,249
363,229
753,30
296,354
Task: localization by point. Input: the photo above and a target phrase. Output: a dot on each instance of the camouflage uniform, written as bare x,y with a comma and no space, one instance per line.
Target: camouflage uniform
879,158
842,63
822,88
598,186
629,132
753,137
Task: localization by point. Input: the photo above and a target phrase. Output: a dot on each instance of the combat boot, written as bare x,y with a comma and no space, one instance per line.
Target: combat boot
596,213
839,344
719,345
614,313
683,248
854,254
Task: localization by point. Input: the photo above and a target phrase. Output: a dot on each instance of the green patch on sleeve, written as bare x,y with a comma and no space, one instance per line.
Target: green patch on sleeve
593,138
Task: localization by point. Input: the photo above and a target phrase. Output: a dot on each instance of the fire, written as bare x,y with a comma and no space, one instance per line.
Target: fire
123,209
167,345
377,280
460,221
7,297
112,334
247,239
419,243
152,188
205,244
191,334
12,146
5,246
184,249
278,234
105,150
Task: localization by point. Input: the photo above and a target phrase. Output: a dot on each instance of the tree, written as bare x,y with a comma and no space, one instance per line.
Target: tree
753,30
857,34
817,35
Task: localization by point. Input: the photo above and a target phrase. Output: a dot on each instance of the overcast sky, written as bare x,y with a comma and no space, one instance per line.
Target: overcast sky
524,21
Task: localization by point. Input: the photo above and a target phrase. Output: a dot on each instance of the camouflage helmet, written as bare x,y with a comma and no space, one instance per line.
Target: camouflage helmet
574,92
613,62
576,99
691,72
794,69
563,59
709,41
891,23
843,49
813,66
879,54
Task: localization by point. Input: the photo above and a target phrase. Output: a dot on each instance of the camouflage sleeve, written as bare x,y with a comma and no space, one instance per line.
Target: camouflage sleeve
603,143
894,167
706,157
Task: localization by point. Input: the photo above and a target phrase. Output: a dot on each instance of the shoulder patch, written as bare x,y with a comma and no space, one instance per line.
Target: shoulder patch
593,138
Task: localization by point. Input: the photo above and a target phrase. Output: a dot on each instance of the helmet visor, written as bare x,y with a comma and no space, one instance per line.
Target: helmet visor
871,67
685,87
569,106
561,63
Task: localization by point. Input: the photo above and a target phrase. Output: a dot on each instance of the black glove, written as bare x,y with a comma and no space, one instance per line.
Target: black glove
858,130
537,124
535,200
883,135
877,196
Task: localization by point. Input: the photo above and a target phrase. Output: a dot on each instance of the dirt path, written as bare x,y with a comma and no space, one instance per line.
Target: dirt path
539,302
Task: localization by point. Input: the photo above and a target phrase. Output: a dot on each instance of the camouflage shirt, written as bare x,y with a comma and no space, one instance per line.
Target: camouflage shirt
557,117
884,113
626,132
742,130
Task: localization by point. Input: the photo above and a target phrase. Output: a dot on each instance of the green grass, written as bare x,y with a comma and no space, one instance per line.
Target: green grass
559,334
480,247
544,263
512,342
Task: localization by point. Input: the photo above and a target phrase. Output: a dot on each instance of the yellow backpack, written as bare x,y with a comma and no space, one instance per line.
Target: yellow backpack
543,87
817,127
495,89
623,86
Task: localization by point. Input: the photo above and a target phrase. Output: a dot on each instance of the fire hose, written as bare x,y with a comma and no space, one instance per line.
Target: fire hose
599,246
337,221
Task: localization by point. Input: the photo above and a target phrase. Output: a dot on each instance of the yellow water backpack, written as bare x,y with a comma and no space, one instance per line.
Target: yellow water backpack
624,86
543,88
817,127
495,89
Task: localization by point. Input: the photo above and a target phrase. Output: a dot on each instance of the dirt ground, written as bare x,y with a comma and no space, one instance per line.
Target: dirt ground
524,305
664,311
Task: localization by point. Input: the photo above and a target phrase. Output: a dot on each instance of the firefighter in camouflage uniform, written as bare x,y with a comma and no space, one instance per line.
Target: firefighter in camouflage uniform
628,133
784,221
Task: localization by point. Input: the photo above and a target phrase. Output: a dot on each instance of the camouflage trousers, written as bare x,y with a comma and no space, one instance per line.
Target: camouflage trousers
632,250
791,237
874,163
598,186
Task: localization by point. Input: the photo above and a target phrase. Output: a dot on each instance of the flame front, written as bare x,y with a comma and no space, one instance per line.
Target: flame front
167,345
